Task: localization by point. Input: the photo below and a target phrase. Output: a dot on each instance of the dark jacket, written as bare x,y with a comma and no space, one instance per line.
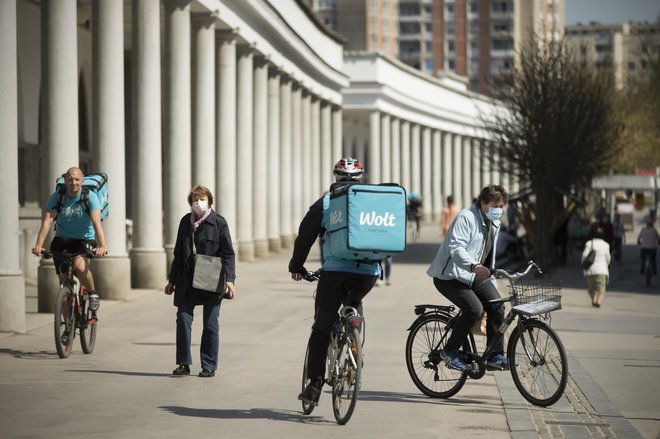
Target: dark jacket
211,238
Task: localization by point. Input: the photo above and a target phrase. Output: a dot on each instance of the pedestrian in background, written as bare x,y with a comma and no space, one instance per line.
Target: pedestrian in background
619,237
648,241
597,275
448,214
209,233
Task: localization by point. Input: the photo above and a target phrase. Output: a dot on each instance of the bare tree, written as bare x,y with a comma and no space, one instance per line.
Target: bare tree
557,133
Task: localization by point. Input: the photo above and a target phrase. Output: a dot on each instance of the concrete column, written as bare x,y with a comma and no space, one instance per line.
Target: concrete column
112,274
274,155
415,156
385,149
203,103
405,156
59,143
495,167
447,163
476,167
285,160
226,126
426,174
245,145
12,282
296,155
457,174
317,165
148,263
260,214
337,149
468,193
308,192
436,174
396,150
326,146
372,166
176,131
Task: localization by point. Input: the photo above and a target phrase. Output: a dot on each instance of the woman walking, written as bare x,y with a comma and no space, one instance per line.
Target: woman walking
598,273
209,234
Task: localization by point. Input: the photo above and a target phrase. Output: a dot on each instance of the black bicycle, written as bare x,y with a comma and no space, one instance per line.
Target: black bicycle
537,359
344,362
72,313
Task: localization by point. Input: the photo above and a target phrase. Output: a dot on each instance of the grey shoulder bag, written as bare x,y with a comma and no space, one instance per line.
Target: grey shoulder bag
208,270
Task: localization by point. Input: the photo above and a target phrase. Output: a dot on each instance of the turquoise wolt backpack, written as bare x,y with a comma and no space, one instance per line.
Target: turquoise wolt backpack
365,222
96,182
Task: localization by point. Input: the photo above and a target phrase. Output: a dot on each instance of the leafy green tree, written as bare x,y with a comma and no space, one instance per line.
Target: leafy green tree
557,133
639,112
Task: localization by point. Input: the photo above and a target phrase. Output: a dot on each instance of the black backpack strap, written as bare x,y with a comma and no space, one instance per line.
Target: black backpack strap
84,199
61,193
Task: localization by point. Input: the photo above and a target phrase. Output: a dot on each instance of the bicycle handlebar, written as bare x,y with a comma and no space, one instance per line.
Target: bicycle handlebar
501,273
89,253
312,276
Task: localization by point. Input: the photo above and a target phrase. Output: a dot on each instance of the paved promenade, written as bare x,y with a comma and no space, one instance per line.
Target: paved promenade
125,390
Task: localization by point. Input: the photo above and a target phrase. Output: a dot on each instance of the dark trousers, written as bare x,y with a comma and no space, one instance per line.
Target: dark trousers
210,335
652,253
334,289
472,302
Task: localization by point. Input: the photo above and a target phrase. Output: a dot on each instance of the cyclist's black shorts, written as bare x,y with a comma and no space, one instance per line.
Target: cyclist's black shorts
73,245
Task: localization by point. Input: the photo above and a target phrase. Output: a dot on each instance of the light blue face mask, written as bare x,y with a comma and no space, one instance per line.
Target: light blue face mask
494,213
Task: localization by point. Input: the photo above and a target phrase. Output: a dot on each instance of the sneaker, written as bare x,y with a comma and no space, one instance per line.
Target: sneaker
498,361
207,373
452,359
94,302
310,395
183,369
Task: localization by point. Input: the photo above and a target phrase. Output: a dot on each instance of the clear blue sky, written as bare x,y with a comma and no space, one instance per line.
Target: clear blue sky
611,11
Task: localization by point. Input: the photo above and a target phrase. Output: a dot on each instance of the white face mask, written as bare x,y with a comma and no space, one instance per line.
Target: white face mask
200,207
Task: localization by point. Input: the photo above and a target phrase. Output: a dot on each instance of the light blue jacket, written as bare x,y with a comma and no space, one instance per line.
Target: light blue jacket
463,247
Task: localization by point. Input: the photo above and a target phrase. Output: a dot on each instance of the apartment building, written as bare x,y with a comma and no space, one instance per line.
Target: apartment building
477,39
625,49
367,25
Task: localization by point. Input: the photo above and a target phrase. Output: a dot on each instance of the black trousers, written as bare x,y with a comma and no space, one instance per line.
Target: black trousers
472,302
334,289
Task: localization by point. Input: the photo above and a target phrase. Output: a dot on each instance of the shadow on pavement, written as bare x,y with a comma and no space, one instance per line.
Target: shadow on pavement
41,355
255,413
123,372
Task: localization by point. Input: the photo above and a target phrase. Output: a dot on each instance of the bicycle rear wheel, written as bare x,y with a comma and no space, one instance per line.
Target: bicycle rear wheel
88,327
647,271
538,364
307,407
64,322
346,386
427,371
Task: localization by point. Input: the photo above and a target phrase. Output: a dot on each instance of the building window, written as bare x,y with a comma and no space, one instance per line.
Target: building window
631,66
428,65
451,46
451,64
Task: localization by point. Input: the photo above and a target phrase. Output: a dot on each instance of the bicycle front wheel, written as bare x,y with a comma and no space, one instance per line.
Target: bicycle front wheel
538,364
427,371
64,322
346,386
88,329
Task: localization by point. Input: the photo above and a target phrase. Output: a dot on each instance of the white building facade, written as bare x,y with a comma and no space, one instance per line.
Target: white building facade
254,100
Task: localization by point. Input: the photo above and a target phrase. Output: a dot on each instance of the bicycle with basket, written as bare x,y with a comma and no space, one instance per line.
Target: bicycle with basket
537,358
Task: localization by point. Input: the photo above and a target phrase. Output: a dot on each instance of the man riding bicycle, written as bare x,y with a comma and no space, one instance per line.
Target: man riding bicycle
77,228
341,281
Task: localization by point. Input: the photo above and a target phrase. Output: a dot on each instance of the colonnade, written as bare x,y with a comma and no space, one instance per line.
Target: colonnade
216,110
428,161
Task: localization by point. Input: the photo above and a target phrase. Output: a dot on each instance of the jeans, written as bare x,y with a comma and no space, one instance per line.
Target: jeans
210,345
472,303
